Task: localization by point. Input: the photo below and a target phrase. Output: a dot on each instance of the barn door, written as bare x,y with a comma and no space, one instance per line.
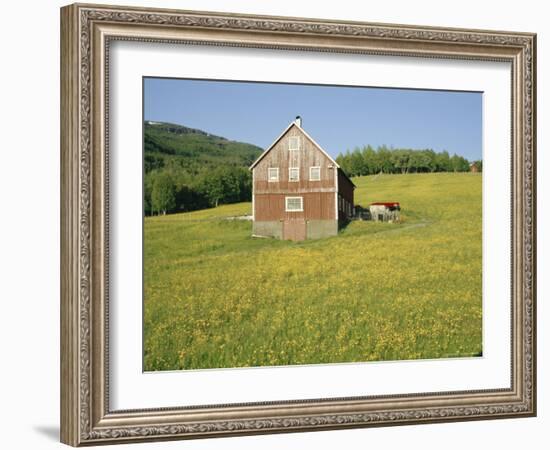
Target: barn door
294,229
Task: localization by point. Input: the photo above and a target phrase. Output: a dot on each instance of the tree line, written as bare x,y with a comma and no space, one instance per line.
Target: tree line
167,191
369,161
174,184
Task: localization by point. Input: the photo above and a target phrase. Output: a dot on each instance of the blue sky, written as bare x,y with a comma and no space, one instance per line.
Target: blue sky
337,117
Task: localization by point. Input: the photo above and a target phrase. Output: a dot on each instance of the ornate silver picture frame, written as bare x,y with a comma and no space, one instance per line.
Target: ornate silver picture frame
87,32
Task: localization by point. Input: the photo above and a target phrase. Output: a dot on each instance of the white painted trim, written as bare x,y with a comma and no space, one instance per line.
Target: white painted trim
318,146
315,167
269,177
336,205
253,195
293,198
299,146
296,180
294,158
271,146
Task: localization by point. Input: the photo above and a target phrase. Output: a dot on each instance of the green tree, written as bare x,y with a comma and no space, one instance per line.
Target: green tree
400,159
443,162
212,188
370,161
459,164
428,163
225,185
344,161
163,195
356,163
384,159
147,188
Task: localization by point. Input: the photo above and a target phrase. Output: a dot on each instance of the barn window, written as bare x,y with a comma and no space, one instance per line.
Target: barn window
315,173
294,143
294,174
294,204
293,158
273,174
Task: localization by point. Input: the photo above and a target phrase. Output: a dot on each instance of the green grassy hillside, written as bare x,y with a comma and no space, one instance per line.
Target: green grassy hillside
168,144
216,297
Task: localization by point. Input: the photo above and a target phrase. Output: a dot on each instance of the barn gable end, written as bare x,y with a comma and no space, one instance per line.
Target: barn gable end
295,189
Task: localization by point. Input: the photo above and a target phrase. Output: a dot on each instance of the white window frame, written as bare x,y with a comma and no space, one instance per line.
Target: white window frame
294,198
294,158
290,169
269,169
296,139
311,169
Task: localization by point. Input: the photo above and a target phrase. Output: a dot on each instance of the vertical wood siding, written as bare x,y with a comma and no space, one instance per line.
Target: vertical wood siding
319,198
345,197
345,187
308,156
317,206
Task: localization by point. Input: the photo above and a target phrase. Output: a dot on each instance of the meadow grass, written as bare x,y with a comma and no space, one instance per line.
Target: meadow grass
216,297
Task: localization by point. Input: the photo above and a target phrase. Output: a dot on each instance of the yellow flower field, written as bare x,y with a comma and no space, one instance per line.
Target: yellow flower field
216,297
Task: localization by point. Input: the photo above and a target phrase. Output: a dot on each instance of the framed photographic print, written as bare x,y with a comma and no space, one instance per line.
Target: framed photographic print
276,224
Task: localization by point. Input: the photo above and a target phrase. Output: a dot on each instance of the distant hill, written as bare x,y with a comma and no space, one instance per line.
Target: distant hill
168,144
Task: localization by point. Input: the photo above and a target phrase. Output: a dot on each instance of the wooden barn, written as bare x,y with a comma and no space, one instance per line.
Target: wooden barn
298,191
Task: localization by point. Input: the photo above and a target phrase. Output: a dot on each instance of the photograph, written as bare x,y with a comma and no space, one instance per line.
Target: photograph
293,220
294,224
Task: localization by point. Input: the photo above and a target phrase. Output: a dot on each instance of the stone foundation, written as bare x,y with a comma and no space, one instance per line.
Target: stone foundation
316,229
268,229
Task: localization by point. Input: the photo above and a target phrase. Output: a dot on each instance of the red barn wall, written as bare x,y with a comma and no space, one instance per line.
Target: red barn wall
345,187
317,206
320,217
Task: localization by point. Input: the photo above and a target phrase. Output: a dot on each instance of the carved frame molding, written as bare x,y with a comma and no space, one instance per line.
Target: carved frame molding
86,32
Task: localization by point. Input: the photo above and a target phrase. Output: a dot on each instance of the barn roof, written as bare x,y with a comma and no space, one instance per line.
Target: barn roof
293,123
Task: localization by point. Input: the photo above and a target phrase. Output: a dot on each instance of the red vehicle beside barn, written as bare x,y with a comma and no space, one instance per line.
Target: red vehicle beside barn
385,211
298,190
